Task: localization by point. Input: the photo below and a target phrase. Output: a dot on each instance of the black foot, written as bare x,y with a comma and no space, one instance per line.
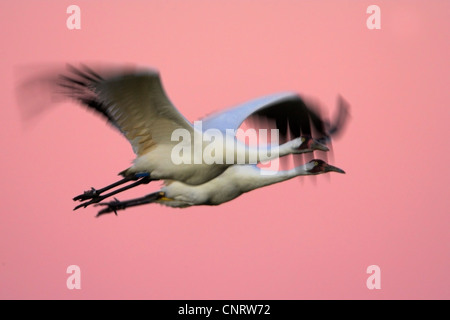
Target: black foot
95,199
87,195
111,206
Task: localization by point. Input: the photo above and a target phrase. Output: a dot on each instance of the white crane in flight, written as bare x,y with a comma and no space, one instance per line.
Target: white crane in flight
135,103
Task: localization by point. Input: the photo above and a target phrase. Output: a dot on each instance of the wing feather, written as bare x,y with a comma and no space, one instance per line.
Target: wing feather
133,101
288,111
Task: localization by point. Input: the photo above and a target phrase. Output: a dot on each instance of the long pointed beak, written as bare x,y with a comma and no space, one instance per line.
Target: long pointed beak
334,169
316,145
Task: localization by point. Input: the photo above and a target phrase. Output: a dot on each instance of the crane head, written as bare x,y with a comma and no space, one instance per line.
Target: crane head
317,166
305,144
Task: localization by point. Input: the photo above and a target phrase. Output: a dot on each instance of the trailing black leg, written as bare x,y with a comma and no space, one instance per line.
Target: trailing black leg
116,205
96,192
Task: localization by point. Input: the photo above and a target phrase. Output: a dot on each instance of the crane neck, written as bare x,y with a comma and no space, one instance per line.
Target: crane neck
253,155
258,178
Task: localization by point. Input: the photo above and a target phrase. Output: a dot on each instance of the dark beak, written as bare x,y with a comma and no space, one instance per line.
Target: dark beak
316,145
335,169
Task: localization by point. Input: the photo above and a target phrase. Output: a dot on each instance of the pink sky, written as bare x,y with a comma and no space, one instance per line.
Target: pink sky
288,241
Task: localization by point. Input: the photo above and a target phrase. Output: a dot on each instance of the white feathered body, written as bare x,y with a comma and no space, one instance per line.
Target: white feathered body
232,183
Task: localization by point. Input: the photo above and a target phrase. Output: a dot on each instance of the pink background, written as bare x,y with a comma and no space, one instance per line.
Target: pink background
288,241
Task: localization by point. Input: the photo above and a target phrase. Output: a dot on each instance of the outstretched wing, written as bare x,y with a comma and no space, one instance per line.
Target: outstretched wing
133,101
288,111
